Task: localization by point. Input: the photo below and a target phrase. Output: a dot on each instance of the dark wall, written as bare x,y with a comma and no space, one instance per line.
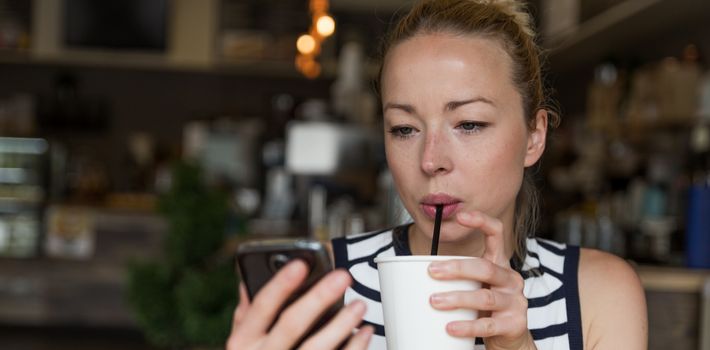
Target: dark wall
158,102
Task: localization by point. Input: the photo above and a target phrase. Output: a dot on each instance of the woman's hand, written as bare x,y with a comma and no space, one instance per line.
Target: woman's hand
502,307
250,328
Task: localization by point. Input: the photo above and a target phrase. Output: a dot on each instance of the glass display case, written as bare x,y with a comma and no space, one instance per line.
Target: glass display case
22,195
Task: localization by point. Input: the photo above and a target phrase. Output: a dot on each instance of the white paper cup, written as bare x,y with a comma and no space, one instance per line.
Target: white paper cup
411,322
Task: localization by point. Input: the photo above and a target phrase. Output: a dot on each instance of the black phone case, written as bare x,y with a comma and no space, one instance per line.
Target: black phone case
258,262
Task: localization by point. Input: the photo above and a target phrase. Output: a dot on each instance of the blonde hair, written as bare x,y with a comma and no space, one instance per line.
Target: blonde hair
508,22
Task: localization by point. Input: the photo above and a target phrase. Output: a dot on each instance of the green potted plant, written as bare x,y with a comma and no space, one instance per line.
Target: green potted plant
186,299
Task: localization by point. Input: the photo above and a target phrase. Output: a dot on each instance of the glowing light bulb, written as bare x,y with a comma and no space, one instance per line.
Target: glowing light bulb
325,25
312,70
306,44
319,6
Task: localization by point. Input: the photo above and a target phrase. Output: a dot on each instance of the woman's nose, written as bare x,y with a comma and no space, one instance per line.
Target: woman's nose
436,156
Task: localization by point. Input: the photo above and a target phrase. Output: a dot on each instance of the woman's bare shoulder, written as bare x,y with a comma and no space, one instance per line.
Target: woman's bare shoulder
593,261
612,301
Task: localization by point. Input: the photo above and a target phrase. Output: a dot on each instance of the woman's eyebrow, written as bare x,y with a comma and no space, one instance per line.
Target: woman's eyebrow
450,106
404,107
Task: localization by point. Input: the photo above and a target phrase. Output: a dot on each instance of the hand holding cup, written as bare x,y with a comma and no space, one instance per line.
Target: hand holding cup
502,322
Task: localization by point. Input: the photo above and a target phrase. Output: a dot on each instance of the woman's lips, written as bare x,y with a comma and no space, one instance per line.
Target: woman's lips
429,203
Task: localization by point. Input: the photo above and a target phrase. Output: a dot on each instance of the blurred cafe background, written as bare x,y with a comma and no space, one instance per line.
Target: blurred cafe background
142,140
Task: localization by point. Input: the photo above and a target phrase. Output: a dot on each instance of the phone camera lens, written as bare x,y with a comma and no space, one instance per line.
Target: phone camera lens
277,261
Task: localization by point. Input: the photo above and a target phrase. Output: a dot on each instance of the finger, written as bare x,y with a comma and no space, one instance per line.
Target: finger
243,294
242,307
488,327
338,329
482,327
492,229
476,269
361,339
481,299
267,303
300,316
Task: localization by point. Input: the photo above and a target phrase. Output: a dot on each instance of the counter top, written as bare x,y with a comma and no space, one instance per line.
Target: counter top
673,279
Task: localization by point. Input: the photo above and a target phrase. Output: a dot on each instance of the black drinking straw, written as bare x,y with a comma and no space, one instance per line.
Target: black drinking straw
437,228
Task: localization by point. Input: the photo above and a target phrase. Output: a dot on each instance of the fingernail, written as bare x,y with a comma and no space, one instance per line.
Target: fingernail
454,327
339,279
357,307
294,267
465,216
438,299
438,268
367,332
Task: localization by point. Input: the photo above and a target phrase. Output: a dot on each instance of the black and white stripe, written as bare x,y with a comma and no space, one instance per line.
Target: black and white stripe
549,269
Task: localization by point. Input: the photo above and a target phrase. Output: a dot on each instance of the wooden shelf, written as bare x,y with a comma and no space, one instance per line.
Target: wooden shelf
161,63
621,28
192,31
41,292
46,291
673,279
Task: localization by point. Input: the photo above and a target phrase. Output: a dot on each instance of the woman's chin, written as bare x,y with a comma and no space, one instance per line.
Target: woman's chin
453,237
454,234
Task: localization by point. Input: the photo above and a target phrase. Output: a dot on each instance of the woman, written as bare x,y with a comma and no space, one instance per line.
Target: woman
465,118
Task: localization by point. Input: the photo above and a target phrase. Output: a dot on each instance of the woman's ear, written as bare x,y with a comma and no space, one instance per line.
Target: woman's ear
537,138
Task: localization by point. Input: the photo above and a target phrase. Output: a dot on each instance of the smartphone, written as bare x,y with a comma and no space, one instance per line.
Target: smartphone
258,261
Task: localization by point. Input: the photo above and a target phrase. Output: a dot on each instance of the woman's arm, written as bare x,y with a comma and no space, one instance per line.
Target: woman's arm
613,303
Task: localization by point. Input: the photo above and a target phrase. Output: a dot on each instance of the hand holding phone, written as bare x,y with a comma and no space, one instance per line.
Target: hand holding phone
258,262
287,288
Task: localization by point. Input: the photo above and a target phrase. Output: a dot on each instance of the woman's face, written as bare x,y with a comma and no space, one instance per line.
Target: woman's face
455,133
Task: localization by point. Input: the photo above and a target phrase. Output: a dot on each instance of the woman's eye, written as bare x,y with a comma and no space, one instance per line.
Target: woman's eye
472,126
405,130
402,131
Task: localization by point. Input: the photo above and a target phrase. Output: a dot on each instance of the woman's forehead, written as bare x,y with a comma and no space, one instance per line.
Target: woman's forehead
439,62
436,46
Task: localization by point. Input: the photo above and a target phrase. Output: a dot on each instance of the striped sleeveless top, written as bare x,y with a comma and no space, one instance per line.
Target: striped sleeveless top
549,270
